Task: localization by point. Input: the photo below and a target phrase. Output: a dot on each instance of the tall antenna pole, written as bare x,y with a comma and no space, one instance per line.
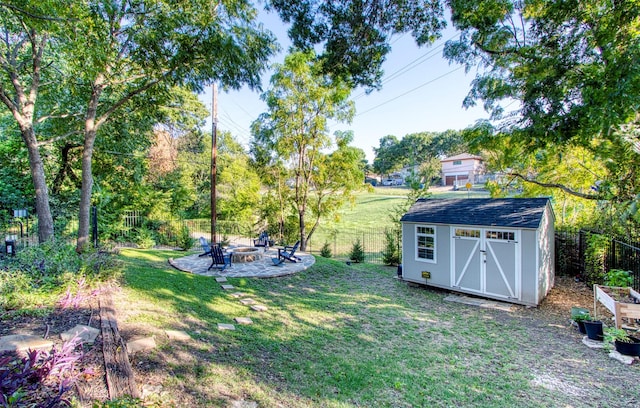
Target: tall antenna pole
214,154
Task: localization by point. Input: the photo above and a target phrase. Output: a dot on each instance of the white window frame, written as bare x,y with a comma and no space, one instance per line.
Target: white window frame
432,235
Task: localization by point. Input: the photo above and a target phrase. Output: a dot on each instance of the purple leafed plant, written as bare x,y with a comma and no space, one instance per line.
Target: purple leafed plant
41,377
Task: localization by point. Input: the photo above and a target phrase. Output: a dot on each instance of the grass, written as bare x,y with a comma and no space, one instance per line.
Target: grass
333,336
370,214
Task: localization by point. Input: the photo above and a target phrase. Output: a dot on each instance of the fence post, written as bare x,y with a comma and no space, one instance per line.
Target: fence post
94,226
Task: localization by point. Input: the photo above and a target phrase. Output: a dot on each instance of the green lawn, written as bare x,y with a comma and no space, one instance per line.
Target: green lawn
340,336
368,216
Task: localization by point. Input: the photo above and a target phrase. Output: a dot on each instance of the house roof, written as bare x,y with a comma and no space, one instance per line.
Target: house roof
461,156
499,212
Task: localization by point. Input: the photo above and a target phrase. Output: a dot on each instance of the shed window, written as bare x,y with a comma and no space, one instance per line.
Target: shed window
501,235
469,233
457,162
425,243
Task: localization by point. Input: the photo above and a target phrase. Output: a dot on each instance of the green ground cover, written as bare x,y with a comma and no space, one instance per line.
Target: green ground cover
340,336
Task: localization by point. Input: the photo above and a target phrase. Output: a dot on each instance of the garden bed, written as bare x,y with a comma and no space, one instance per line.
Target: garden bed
622,302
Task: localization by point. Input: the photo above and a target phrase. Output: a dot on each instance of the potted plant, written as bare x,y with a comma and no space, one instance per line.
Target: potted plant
624,343
580,318
594,329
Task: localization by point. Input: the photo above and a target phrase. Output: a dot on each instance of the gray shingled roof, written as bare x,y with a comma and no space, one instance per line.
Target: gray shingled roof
499,212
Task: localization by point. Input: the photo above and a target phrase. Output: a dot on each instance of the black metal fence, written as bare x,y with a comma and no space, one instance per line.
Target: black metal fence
589,255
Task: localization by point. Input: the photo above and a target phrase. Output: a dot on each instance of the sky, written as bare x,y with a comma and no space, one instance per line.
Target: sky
421,92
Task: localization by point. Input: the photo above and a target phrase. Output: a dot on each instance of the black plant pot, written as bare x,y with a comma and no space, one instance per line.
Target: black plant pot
594,329
581,328
628,349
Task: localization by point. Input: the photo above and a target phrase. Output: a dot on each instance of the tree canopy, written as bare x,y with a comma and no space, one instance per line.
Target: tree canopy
356,35
113,58
570,70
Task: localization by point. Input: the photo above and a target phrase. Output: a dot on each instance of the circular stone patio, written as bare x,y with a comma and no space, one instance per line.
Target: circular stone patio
260,268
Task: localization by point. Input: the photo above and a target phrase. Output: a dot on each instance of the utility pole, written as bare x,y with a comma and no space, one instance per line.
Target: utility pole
214,154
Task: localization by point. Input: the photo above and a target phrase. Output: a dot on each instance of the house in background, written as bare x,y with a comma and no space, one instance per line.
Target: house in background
462,168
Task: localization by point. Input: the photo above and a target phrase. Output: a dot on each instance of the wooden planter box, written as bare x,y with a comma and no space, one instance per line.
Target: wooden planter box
609,296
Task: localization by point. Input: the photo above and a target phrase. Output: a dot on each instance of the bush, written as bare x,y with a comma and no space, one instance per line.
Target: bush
184,240
357,252
325,252
39,379
595,257
38,274
144,239
391,252
618,277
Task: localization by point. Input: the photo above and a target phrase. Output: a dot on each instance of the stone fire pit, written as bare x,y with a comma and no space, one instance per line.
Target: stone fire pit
248,254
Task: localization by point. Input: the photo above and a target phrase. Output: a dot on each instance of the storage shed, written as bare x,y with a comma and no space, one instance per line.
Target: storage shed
496,248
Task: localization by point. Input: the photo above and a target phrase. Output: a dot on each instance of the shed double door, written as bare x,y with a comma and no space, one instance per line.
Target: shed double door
486,261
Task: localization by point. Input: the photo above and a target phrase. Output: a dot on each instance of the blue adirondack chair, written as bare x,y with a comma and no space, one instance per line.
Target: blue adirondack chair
263,240
205,247
287,254
220,260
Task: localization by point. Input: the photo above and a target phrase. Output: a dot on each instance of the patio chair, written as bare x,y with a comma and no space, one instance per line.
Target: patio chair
205,247
287,253
263,240
220,260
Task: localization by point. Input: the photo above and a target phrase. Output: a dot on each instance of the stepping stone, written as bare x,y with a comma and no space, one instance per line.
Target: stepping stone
488,304
220,280
225,326
244,404
177,335
621,357
86,334
243,320
247,301
143,344
23,342
259,308
239,295
594,344
150,389
228,287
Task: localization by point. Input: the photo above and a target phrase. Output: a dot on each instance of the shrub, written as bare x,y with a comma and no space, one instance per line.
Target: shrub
357,252
184,240
595,257
326,250
38,274
41,378
144,238
618,277
391,253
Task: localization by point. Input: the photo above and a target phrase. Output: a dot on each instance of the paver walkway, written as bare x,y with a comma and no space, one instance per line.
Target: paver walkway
263,268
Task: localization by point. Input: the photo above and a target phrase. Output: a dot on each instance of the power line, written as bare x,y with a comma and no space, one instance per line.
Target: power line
410,91
411,65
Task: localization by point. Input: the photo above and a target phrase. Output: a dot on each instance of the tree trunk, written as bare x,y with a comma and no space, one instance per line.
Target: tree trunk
45,220
85,192
90,131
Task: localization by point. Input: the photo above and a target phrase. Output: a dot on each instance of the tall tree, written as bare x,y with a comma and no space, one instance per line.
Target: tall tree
28,29
386,159
295,129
